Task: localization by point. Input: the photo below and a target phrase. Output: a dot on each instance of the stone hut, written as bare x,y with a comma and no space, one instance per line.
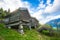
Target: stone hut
20,17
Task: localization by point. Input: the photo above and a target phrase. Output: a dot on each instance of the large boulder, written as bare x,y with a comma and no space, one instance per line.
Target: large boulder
45,30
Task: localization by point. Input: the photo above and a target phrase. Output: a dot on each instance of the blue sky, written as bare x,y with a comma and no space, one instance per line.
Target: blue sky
35,3
43,10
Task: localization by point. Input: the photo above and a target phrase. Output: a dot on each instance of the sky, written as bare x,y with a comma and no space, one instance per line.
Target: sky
43,10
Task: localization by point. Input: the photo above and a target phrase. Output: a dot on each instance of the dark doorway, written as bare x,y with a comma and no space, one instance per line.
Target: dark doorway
15,27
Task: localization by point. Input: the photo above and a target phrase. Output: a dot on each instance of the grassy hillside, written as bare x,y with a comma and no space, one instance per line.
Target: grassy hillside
10,34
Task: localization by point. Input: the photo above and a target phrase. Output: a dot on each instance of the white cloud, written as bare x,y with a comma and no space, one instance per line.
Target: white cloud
51,8
38,14
44,20
48,2
41,5
12,4
54,7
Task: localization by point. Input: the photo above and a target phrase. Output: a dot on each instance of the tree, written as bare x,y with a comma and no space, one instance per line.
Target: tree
3,13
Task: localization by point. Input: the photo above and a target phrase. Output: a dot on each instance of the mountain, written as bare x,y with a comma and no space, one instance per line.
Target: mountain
54,23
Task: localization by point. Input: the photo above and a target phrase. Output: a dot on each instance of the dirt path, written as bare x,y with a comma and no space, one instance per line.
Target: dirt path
1,38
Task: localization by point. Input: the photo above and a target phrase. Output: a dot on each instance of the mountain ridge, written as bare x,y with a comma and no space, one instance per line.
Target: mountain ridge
54,23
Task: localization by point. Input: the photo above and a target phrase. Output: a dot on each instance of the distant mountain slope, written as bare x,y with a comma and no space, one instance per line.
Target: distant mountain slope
54,23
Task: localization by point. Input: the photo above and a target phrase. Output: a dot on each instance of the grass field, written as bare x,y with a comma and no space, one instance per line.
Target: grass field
10,34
